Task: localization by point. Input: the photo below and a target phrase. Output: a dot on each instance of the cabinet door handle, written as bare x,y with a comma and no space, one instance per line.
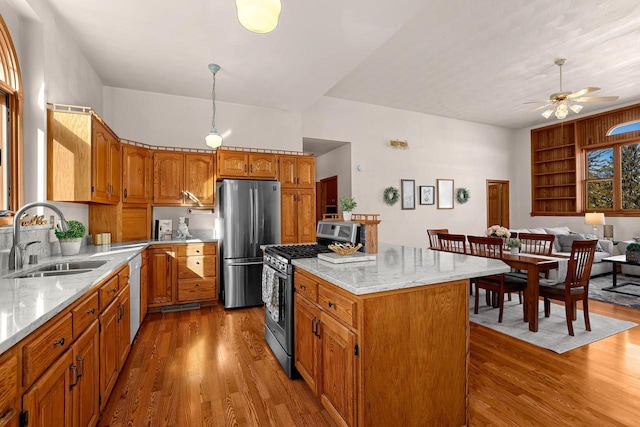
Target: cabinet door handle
60,342
197,285
197,251
302,286
114,290
331,304
313,326
125,193
251,168
74,368
245,168
92,311
7,416
197,262
81,360
318,329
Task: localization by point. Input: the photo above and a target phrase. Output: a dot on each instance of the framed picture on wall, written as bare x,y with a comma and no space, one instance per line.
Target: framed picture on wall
408,193
427,194
445,193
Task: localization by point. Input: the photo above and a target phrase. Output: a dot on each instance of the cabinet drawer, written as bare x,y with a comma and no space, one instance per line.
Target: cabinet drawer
84,314
197,249
197,266
306,286
197,289
337,305
108,291
40,352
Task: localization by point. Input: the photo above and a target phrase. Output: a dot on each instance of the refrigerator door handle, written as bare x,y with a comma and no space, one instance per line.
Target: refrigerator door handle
235,264
252,219
256,228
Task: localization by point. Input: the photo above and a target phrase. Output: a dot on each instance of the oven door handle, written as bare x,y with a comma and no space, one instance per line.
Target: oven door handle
280,275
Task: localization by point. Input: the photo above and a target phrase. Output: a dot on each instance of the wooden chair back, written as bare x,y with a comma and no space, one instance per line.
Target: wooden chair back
537,243
434,243
452,242
490,247
579,268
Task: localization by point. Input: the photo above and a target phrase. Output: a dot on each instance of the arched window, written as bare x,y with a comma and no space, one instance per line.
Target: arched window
11,100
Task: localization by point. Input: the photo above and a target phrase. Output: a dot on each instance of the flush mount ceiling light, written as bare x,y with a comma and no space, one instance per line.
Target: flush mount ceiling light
561,102
213,140
259,16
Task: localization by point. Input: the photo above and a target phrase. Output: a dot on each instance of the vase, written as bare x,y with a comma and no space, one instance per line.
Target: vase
346,215
633,257
70,246
514,251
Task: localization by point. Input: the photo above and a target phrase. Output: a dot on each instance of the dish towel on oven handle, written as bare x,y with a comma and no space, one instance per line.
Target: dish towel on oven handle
271,292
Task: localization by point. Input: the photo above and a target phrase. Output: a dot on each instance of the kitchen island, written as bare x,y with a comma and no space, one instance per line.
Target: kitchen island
386,342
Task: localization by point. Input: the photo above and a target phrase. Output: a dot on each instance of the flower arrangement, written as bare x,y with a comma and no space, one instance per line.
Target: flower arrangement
347,204
498,231
513,243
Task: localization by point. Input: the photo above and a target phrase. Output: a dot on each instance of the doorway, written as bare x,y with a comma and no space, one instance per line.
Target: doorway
497,203
327,196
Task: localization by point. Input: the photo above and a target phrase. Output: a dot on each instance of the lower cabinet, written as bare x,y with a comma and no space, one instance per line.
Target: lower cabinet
124,326
161,276
109,356
9,401
67,393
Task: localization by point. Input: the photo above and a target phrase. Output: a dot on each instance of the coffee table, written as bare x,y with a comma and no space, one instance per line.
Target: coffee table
615,260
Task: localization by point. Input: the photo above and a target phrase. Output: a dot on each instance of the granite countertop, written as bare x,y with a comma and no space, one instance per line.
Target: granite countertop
26,304
398,267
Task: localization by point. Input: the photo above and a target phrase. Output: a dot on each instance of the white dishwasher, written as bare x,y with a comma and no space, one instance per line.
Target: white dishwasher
134,286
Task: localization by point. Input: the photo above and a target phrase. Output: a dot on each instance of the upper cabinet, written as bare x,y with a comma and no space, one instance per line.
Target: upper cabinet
83,158
297,171
136,179
178,175
240,164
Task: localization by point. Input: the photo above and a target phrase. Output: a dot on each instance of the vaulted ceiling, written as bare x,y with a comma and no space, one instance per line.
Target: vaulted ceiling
470,60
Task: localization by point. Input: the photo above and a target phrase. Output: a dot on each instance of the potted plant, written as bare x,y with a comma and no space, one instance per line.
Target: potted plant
513,245
633,253
347,204
71,240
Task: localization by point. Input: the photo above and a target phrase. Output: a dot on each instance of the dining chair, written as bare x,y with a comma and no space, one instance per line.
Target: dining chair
499,284
536,243
452,242
575,287
434,243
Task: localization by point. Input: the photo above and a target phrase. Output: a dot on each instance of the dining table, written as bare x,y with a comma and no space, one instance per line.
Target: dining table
534,265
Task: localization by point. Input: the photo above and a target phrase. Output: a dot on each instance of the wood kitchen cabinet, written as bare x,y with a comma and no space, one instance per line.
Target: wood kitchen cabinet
297,216
86,391
197,272
9,381
297,171
136,174
240,164
176,173
348,354
124,325
162,272
83,157
108,350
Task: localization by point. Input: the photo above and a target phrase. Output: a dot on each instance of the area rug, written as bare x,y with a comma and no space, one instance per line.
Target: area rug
596,292
552,331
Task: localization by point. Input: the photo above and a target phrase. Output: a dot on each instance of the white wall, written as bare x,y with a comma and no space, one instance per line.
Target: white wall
469,153
53,70
336,163
169,120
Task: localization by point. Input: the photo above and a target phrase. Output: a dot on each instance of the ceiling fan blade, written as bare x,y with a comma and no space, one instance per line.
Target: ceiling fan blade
547,101
583,92
536,109
596,99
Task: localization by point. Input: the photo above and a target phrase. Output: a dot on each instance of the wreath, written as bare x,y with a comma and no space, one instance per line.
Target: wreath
391,195
462,195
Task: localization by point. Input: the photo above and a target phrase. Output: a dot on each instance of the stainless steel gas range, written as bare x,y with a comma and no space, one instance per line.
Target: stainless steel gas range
279,323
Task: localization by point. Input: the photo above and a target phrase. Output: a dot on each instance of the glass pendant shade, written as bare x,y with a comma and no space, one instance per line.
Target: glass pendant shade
547,113
213,140
259,16
562,111
576,108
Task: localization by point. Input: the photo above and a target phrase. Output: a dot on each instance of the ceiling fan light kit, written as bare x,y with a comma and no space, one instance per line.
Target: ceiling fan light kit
561,102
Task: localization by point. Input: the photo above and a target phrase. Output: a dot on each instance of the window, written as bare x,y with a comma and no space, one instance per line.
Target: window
613,178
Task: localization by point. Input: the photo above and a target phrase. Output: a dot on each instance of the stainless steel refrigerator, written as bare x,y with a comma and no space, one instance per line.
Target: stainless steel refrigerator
250,212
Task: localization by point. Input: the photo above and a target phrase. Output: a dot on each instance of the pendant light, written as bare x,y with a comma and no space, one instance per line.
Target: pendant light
259,16
213,140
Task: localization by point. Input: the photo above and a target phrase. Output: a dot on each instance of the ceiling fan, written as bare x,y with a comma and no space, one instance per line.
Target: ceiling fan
562,102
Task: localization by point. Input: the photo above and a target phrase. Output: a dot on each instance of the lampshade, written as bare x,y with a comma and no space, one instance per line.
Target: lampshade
213,139
561,111
575,108
594,218
259,16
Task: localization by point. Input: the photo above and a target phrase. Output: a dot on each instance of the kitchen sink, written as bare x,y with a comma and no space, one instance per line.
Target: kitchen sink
67,266
61,269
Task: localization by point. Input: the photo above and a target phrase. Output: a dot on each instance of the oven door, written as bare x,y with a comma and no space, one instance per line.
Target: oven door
281,326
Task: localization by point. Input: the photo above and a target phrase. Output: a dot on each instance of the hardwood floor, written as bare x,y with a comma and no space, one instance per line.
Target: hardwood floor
212,367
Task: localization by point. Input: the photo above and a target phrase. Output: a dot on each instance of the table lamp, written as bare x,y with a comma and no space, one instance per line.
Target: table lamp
595,219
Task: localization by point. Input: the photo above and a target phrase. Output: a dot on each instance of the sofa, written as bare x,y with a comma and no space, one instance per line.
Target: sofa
564,239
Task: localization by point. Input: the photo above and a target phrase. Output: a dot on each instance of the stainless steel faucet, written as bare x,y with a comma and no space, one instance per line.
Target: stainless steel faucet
15,256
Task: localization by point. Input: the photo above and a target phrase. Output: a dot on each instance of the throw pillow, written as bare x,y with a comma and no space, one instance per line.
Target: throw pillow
558,230
538,230
593,237
566,240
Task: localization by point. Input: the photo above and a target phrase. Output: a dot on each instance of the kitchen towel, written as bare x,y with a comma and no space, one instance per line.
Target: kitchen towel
271,292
